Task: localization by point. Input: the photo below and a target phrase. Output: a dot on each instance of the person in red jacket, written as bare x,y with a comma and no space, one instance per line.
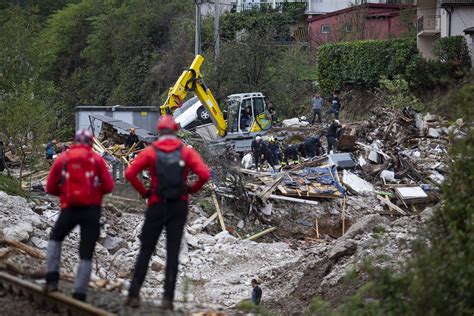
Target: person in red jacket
169,161
80,178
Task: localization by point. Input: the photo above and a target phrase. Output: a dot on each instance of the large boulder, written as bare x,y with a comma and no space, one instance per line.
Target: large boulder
365,225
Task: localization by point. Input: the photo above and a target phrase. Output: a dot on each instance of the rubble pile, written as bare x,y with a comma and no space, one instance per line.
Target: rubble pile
315,220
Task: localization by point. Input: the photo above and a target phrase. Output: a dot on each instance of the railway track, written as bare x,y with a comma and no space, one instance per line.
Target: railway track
56,301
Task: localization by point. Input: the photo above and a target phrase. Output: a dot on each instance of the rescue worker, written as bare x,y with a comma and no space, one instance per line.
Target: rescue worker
262,153
50,149
275,150
132,138
291,153
169,161
335,105
317,105
272,111
313,147
256,292
80,178
333,134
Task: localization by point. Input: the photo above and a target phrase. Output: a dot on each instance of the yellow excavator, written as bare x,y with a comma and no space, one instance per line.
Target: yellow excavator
247,113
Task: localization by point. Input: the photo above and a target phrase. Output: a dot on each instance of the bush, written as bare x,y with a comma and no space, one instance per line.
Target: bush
427,74
362,62
11,186
453,50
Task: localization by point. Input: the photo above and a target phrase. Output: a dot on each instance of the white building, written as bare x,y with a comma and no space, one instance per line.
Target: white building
444,18
207,7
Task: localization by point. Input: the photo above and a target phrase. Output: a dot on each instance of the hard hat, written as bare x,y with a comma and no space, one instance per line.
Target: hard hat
84,136
258,138
167,122
271,139
337,122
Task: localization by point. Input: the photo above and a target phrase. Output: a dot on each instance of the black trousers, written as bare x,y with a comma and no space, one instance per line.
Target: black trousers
318,113
88,218
172,215
332,141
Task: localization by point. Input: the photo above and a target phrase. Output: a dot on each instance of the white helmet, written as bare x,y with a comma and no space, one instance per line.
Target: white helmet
258,138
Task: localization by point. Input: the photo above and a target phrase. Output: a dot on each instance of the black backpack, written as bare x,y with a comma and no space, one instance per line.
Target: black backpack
169,168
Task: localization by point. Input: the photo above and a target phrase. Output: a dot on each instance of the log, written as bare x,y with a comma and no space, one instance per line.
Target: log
344,216
28,249
317,228
260,234
387,202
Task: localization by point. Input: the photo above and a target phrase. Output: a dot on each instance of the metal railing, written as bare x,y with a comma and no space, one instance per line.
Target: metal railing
456,2
428,23
266,7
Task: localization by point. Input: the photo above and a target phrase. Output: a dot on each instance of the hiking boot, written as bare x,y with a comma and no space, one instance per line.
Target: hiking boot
132,301
79,296
51,286
167,304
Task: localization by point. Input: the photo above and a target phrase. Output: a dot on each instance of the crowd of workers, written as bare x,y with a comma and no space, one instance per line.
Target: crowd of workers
276,154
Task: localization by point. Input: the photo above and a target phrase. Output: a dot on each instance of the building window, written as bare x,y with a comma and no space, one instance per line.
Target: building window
325,29
348,28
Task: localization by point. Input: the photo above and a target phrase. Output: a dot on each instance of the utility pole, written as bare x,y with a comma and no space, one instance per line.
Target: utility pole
197,44
216,29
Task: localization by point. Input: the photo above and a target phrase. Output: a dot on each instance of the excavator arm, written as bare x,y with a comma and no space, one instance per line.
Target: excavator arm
191,81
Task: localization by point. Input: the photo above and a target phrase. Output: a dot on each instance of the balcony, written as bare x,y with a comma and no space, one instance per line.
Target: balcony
445,3
428,25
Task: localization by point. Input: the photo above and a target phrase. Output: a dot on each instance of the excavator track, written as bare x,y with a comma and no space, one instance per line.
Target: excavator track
55,301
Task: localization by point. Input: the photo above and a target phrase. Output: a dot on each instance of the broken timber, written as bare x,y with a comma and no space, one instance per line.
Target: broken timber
260,234
387,202
218,211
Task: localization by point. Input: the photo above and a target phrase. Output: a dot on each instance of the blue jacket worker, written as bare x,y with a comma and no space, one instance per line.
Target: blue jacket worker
256,292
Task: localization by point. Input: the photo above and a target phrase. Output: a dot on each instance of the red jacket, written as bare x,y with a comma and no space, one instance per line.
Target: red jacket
53,184
146,160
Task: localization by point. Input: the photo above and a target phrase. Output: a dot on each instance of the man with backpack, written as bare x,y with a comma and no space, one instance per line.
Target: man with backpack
80,178
169,161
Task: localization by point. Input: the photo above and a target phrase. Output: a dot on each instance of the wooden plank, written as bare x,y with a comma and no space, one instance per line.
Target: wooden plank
218,211
387,202
343,215
317,228
269,190
260,234
209,220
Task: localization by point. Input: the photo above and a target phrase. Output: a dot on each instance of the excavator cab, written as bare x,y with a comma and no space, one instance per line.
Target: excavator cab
247,114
